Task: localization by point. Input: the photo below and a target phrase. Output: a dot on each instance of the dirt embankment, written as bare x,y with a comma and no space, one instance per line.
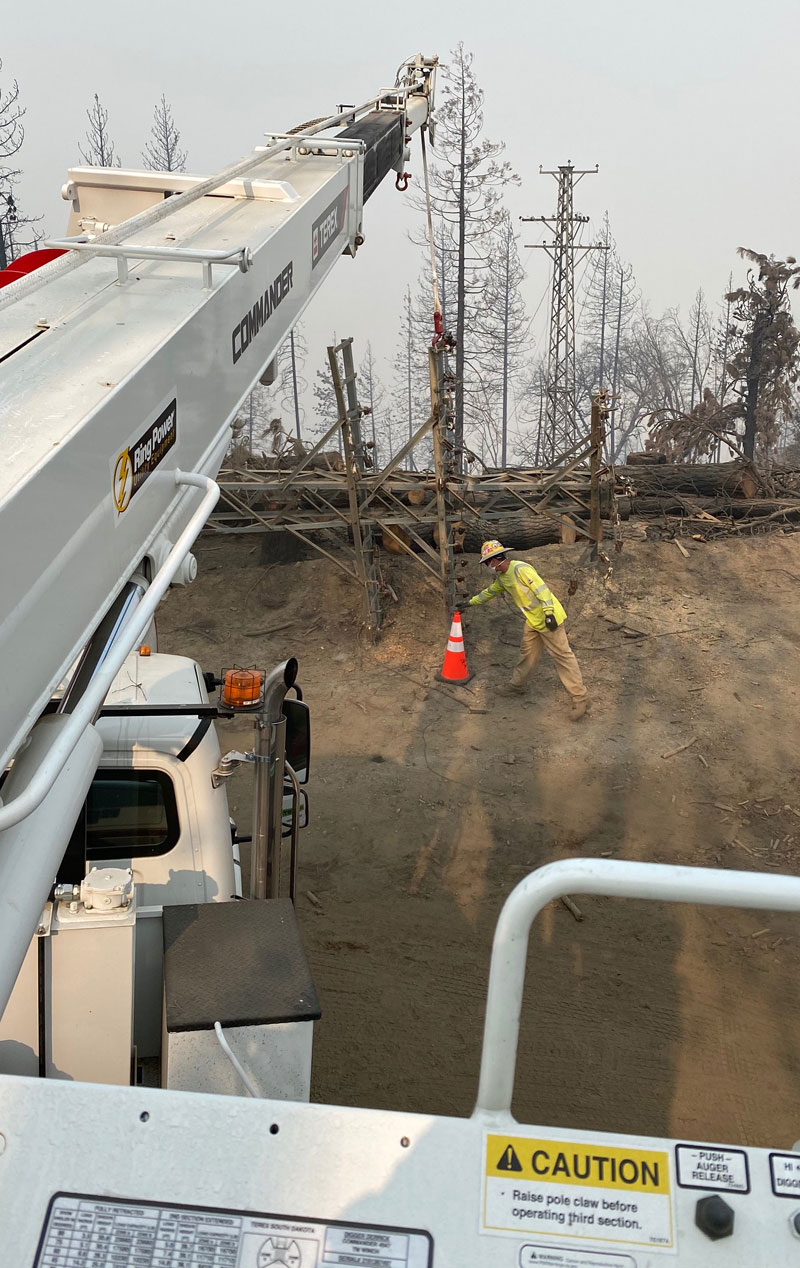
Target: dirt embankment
427,808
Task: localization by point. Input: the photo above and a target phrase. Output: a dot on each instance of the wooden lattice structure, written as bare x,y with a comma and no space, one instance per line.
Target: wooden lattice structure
429,516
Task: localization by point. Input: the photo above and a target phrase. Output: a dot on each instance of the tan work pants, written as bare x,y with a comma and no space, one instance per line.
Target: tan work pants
556,643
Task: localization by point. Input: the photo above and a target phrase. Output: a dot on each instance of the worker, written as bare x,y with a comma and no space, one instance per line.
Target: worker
544,624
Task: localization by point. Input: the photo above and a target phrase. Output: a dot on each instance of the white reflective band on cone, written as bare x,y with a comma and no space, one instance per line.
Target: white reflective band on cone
455,647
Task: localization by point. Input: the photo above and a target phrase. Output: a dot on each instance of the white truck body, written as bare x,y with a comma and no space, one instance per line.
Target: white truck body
122,365
200,866
152,807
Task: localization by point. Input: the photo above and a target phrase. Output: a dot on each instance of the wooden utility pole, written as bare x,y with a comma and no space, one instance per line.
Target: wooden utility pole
350,420
441,411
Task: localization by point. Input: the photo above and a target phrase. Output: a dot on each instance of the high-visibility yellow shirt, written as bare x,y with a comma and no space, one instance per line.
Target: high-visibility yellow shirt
523,584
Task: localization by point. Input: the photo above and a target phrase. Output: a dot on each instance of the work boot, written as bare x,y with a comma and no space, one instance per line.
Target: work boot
511,689
579,707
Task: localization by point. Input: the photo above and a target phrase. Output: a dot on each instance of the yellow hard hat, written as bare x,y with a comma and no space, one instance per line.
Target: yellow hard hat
490,549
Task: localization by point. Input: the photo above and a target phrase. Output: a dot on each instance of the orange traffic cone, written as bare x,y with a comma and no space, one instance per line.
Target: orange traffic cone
454,667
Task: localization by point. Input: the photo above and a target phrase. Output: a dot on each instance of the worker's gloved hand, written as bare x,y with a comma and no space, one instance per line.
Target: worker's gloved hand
550,621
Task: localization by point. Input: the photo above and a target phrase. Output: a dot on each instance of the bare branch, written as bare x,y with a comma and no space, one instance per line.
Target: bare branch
99,151
162,152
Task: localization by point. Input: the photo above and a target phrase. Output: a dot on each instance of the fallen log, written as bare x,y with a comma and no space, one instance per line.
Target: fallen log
645,459
716,479
722,507
518,532
673,504
763,508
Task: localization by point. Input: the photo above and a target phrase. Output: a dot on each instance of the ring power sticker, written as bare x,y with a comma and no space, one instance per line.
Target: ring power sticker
784,1170
558,1257
577,1191
140,458
703,1167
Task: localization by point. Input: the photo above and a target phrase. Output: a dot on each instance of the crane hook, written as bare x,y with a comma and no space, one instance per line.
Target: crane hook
401,181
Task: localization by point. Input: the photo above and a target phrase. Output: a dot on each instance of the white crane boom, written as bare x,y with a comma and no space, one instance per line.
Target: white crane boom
126,360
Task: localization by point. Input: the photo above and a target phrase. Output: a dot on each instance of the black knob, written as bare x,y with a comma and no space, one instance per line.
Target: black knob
714,1217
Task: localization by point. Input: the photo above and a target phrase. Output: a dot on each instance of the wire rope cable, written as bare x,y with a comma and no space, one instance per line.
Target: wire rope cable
437,306
234,1060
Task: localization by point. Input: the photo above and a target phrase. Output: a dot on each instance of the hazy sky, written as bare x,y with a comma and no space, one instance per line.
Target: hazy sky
689,109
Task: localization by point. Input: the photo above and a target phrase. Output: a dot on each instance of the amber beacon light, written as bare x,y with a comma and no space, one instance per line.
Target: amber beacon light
241,689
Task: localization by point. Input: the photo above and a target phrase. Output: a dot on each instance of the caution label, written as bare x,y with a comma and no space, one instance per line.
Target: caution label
575,1190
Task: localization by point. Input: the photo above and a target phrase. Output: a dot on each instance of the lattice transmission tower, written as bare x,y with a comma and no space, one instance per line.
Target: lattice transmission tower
561,424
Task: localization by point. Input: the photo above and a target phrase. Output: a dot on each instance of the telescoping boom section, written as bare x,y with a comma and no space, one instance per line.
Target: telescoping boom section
123,362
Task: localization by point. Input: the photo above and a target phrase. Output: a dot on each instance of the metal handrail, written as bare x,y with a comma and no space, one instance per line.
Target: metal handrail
90,703
613,878
242,256
295,834
122,252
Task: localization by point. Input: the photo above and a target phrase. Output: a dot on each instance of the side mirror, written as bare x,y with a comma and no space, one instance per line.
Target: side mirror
286,812
298,738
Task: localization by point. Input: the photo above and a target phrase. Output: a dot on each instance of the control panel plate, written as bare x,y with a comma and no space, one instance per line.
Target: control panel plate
259,1183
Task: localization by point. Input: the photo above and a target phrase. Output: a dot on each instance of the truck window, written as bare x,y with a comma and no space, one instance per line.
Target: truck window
130,813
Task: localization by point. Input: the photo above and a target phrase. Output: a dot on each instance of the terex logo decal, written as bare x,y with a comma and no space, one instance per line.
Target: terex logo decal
245,332
327,227
141,458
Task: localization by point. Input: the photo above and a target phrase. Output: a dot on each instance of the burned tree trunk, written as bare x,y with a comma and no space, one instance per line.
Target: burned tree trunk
517,531
714,479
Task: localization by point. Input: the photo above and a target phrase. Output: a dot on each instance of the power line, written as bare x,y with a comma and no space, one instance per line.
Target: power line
545,293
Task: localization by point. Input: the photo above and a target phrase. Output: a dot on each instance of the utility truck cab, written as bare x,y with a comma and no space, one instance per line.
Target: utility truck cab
154,835
153,805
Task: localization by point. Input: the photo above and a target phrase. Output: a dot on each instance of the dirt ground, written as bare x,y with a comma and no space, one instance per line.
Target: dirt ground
429,805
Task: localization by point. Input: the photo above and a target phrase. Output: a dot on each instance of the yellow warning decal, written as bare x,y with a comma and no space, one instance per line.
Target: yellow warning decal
567,1162
122,481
